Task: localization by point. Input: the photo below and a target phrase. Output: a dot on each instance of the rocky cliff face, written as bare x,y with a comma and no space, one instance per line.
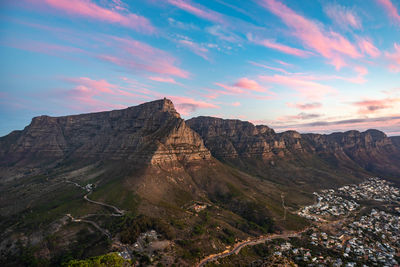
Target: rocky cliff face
151,132
239,139
233,139
372,149
396,141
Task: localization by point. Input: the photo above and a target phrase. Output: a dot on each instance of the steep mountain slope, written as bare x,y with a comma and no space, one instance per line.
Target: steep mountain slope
149,132
150,163
395,140
144,160
292,157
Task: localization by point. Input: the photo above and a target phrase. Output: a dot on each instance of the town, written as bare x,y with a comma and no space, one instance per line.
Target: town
347,232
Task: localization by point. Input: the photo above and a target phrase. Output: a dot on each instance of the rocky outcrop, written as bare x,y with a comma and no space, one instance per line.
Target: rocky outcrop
371,150
396,141
154,133
151,132
240,139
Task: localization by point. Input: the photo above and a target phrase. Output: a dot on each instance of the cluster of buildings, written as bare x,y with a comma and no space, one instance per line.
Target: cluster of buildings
372,189
329,203
306,255
344,201
372,239
89,187
145,239
198,206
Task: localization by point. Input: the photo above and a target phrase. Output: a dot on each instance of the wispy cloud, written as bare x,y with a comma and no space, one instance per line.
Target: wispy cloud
368,47
306,86
394,58
305,106
372,106
187,105
138,56
280,47
96,85
268,67
385,123
327,43
195,48
133,55
246,83
223,34
95,95
236,104
89,9
41,47
198,10
391,9
343,17
301,116
163,79
242,86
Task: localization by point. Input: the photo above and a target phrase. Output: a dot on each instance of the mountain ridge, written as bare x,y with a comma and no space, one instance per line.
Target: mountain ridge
149,162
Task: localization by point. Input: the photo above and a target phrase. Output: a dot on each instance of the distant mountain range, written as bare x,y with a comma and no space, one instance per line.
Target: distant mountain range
153,164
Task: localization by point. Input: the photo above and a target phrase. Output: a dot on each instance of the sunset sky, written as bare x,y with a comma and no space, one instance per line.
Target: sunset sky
312,66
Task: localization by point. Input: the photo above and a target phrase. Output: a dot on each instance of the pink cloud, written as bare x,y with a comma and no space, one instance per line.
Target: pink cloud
100,86
97,95
394,58
372,106
368,47
41,47
236,104
230,89
244,86
305,106
135,55
280,47
246,83
163,79
268,67
223,33
303,84
300,116
387,124
89,9
390,9
198,10
284,63
125,52
343,17
195,48
327,43
187,105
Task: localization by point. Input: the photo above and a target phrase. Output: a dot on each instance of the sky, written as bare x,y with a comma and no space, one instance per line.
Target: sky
312,66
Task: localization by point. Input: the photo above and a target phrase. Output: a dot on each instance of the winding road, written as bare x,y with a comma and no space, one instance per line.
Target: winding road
118,211
238,246
104,231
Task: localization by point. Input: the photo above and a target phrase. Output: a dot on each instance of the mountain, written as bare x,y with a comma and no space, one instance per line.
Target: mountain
396,141
260,150
149,133
144,160
155,167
